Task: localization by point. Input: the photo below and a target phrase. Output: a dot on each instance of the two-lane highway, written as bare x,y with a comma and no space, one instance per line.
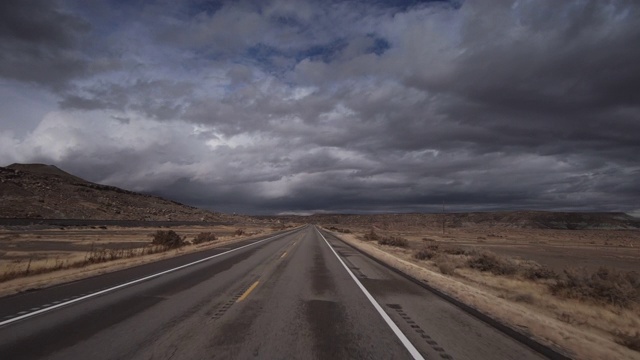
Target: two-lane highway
298,295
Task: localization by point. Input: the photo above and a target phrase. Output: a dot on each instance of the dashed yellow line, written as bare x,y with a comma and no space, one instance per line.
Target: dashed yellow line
249,290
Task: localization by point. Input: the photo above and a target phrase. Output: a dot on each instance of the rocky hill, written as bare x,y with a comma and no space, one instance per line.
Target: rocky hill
506,219
38,191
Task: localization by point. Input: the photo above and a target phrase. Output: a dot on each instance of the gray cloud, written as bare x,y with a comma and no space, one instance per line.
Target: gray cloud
40,43
267,107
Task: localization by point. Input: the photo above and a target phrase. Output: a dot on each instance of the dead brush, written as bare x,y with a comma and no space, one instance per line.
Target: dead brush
169,239
396,241
445,265
424,254
371,236
534,271
490,262
454,250
204,237
629,340
604,286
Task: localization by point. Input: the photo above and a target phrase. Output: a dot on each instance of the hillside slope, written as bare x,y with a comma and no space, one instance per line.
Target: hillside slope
39,191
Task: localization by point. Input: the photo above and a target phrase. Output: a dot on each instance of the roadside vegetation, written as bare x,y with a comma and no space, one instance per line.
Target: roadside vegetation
169,239
389,240
204,237
605,286
33,266
340,230
161,241
603,300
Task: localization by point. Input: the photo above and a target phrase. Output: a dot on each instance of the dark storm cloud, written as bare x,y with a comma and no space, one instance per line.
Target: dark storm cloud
39,43
276,106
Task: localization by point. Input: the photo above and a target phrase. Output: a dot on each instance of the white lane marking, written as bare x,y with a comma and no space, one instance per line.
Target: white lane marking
407,344
24,314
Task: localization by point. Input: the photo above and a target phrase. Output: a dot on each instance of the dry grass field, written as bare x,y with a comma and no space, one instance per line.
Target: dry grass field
34,258
574,289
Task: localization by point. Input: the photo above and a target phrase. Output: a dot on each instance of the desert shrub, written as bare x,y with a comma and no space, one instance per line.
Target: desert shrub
524,298
538,272
454,250
204,237
424,254
371,236
629,340
605,286
488,261
394,241
433,247
169,239
445,265
239,232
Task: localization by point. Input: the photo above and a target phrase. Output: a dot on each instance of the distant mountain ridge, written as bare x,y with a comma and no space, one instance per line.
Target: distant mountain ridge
40,191
502,219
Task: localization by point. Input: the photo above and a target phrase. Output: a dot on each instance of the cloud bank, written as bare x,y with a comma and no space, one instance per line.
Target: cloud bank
341,106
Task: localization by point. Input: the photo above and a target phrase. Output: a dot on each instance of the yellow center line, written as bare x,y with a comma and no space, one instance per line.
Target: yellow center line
283,255
249,290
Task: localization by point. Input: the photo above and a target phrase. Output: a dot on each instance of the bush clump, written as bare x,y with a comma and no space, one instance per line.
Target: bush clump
454,250
204,237
488,261
394,241
538,272
424,254
445,265
629,340
605,286
169,239
371,236
344,231
239,232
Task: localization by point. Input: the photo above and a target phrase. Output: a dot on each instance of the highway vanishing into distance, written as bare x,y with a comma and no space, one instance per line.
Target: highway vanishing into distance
301,294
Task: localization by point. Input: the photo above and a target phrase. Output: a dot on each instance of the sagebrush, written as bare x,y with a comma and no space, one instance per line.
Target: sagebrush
169,239
604,286
204,237
424,254
371,236
394,241
490,262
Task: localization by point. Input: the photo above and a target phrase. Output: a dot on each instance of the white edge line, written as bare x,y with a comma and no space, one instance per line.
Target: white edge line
65,303
407,344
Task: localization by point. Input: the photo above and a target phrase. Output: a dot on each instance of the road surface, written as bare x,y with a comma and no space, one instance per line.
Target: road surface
297,295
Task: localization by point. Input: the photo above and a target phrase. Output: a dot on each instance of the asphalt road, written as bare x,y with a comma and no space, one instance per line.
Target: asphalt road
297,295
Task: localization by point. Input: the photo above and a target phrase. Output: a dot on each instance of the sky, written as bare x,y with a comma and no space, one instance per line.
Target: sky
272,107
